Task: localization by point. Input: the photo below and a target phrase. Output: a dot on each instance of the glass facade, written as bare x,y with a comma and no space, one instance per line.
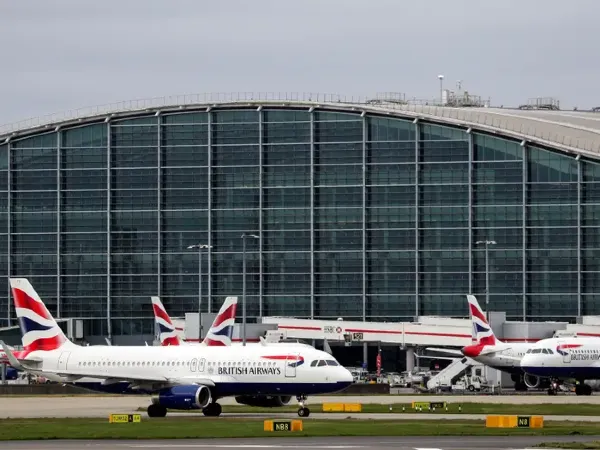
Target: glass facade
359,216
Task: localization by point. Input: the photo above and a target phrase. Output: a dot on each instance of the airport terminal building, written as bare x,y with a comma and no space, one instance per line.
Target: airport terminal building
365,211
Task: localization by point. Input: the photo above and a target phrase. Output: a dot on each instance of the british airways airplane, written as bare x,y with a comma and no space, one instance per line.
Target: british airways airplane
492,352
564,359
219,334
181,377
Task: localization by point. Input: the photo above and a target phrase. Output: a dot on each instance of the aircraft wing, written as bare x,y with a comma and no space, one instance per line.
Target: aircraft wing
449,351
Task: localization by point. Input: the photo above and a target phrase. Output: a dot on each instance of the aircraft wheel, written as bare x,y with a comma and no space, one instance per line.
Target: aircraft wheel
303,412
156,410
212,410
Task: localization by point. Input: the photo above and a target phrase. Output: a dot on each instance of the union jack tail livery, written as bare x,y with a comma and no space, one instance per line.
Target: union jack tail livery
221,331
482,332
167,331
39,329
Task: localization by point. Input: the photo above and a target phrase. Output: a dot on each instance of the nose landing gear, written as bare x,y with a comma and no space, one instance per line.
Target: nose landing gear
303,411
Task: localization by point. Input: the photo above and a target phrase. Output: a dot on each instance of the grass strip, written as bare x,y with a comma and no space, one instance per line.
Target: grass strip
542,409
592,445
201,427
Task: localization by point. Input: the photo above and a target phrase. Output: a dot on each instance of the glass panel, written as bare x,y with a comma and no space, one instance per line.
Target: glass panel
590,237
547,216
443,217
338,240
286,198
590,305
392,261
77,286
331,283
134,264
590,261
235,133
34,264
497,216
286,132
282,115
443,195
391,283
286,240
591,171
491,148
338,306
33,180
86,136
34,158
337,218
90,307
277,155
590,282
590,215
444,261
33,201
294,306
185,263
551,282
390,196
185,118
134,199
184,199
83,158
551,260
146,120
338,262
134,136
235,198
184,221
439,151
286,176
134,221
497,194
279,283
84,264
286,262
83,200
83,242
3,158
552,305
546,166
439,238
499,260
177,241
235,177
184,156
134,285
339,131
444,173
89,221
38,141
551,193
498,172
444,283
552,237
33,222
338,174
390,217
338,196
134,157
385,306
385,129
235,116
338,153
124,242
390,152
172,135
239,155
390,174
590,193
83,179
134,178
231,241
280,219
390,239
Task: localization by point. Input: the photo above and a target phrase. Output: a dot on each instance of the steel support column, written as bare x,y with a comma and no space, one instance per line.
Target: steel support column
417,131
579,236
158,204
260,212
108,228
312,215
9,229
58,224
471,230
209,212
364,220
524,231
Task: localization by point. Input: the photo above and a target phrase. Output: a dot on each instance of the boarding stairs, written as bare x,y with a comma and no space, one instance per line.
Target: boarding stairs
444,378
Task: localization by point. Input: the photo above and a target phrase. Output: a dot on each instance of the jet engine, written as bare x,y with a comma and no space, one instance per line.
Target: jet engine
531,380
184,397
264,401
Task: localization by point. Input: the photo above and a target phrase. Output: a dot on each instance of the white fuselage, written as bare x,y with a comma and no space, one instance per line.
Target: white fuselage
500,356
564,358
234,370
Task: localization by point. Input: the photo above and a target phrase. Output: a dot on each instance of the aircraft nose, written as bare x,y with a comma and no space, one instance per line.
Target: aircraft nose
346,376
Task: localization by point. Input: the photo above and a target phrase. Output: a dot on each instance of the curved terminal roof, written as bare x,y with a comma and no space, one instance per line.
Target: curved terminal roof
571,131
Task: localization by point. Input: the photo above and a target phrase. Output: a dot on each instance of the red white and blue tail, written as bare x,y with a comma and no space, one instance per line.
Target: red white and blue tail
482,331
38,328
221,331
167,331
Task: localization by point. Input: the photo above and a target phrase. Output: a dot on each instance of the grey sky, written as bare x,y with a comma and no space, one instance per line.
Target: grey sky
65,54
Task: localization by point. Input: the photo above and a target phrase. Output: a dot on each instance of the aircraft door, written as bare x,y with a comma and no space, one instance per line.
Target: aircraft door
290,365
567,357
62,360
201,365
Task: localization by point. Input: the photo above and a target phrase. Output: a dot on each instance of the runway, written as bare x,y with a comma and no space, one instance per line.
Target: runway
400,443
102,406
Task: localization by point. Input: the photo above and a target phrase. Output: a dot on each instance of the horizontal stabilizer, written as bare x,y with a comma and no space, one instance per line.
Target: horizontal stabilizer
449,351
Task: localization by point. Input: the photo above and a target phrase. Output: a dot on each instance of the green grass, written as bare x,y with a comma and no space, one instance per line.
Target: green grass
197,427
584,409
571,445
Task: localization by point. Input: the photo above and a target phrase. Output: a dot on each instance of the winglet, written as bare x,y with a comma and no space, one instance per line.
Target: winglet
11,357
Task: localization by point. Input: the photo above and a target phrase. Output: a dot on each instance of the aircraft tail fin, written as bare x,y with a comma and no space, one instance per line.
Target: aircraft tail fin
39,329
482,332
167,332
221,330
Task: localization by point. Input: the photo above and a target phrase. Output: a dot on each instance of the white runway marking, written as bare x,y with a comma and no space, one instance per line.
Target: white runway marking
246,446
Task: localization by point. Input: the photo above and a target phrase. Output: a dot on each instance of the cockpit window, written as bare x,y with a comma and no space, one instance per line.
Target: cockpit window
332,363
322,363
550,352
528,352
544,351
537,350
314,363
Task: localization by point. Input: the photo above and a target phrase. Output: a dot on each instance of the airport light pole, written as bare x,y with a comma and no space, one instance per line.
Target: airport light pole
441,78
200,247
244,236
487,275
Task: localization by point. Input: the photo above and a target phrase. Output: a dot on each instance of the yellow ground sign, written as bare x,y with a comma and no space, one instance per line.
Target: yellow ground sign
514,421
342,407
283,425
125,418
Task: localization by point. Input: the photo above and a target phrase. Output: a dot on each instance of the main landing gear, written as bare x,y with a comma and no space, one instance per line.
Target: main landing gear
212,410
553,388
303,411
156,410
583,389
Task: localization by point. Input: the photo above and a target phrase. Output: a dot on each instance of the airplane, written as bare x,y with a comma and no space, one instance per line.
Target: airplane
492,352
181,377
219,334
565,359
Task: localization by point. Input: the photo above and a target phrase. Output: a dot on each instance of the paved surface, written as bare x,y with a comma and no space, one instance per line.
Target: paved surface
38,406
401,443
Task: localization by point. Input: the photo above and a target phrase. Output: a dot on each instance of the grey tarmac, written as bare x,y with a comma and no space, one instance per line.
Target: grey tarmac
102,406
337,443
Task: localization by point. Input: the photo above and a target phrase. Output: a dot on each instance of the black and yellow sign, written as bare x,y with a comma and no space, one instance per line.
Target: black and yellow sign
125,418
523,421
429,405
283,425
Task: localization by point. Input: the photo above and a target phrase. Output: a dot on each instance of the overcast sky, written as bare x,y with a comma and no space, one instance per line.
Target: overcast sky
65,54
